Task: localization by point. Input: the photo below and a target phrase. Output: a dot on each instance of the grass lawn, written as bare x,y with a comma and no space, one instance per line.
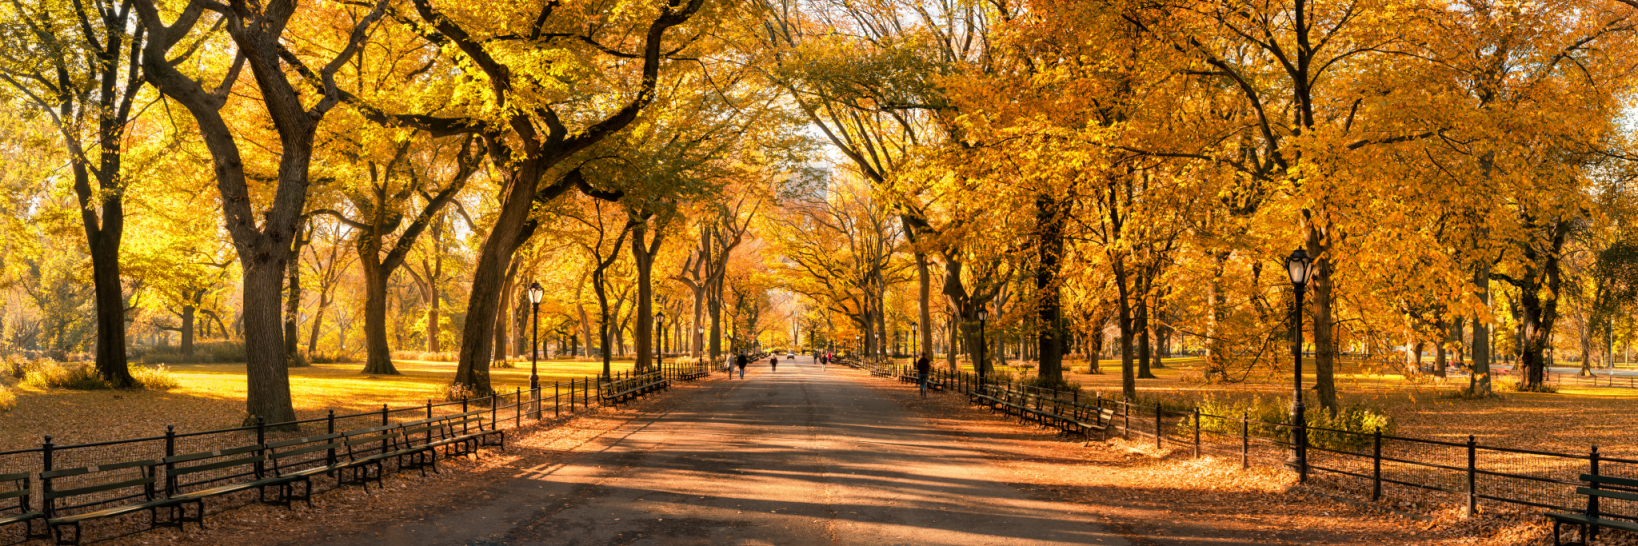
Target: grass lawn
211,396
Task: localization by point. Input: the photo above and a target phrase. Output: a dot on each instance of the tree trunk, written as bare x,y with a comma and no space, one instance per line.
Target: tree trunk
603,322
503,313
1439,358
110,306
1320,296
377,354
1141,326
924,306
318,323
643,255
292,302
187,327
1050,218
268,390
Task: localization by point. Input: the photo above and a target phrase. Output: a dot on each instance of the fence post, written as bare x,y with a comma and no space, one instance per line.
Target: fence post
170,450
45,466
1157,426
1376,465
517,407
330,428
429,408
1126,417
494,410
1472,467
557,400
384,418
1245,440
1197,433
1592,500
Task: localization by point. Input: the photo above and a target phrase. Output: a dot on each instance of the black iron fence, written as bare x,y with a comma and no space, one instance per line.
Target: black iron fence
1363,462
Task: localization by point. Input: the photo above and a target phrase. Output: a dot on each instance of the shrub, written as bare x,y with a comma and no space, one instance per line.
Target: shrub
337,357
204,352
156,378
7,399
17,367
453,393
1349,428
48,374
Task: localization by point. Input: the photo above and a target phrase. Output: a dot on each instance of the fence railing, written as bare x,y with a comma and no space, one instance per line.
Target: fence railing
1365,462
506,410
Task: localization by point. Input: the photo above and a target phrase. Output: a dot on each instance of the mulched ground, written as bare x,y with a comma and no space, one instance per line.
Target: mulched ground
1169,497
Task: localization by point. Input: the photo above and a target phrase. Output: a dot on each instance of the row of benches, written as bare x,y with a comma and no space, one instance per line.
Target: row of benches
1067,416
620,390
352,457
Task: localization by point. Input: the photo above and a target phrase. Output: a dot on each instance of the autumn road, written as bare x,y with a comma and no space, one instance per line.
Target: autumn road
799,456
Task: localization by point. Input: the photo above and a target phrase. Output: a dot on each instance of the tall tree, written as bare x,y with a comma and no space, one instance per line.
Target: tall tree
80,64
526,125
262,240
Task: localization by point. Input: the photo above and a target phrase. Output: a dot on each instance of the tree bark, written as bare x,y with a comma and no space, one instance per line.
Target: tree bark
378,355
186,330
1320,297
292,302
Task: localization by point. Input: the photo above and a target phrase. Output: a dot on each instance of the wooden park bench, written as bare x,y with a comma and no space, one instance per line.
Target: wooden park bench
621,390
1602,487
86,498
1099,423
19,496
298,460
372,448
240,467
464,433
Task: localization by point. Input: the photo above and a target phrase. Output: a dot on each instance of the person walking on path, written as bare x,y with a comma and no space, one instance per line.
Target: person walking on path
923,369
742,361
824,362
774,363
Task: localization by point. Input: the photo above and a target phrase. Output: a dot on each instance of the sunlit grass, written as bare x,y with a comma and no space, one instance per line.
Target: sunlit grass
341,386
211,396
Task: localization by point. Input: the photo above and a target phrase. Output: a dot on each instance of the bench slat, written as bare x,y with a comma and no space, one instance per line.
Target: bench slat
99,488
1605,493
97,468
247,461
1611,480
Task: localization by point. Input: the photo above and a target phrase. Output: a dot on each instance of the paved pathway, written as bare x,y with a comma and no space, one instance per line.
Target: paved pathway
795,457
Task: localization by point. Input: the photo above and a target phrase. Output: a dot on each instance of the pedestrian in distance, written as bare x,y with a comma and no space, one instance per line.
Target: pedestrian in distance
774,363
923,369
741,361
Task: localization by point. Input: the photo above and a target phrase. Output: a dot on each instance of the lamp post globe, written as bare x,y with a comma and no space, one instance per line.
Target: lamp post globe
1300,267
535,292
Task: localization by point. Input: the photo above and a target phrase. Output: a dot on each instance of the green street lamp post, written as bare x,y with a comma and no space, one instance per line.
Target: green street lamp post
1300,267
